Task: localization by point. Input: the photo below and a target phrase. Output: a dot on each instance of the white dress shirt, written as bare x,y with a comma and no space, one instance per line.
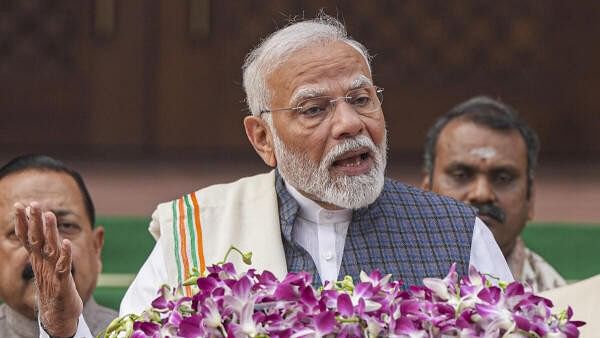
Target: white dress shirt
319,231
328,227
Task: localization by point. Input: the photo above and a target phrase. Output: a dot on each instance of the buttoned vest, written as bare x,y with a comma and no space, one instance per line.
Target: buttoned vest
406,232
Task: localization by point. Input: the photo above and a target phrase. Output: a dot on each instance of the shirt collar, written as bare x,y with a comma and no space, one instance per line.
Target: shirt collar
313,212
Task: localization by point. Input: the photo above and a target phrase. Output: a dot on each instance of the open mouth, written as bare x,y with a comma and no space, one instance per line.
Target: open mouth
354,162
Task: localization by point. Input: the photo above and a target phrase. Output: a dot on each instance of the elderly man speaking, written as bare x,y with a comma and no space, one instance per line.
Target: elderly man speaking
327,207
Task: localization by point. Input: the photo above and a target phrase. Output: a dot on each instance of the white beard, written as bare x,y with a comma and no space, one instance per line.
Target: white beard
349,192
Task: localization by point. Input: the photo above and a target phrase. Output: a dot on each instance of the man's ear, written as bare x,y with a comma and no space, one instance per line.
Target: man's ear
426,183
259,135
531,203
98,239
98,244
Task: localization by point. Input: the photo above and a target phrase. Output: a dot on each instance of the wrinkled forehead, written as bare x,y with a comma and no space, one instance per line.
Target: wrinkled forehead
313,90
53,190
320,69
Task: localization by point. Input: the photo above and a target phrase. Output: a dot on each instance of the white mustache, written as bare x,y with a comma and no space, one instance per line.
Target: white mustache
346,146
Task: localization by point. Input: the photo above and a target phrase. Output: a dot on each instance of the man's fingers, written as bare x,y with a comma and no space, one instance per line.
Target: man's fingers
63,265
36,226
51,248
20,223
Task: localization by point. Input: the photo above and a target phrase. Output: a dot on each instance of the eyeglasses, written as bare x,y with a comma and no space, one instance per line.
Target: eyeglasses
364,101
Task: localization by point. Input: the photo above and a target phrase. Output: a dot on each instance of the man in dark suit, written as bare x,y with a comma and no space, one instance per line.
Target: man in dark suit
58,188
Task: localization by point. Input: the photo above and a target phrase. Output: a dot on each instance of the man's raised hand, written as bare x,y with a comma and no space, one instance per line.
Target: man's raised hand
59,304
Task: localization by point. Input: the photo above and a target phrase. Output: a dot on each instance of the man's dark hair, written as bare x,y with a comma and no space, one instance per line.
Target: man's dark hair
47,163
490,113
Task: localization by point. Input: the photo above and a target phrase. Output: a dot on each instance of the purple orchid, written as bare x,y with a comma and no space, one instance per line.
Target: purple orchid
250,304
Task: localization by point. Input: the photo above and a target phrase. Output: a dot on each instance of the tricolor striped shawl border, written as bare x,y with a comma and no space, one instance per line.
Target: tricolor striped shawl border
187,238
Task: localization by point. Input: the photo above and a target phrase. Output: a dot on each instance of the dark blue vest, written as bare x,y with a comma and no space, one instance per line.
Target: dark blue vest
406,232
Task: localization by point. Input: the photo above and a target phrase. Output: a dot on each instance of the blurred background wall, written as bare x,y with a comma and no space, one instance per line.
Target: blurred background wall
122,88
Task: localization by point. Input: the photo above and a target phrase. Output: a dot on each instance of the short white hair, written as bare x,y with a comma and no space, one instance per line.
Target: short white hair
279,46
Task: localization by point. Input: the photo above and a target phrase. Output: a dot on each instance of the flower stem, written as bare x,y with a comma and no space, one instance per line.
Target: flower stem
246,257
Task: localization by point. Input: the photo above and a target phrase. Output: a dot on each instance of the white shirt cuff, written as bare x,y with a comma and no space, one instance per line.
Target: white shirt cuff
82,329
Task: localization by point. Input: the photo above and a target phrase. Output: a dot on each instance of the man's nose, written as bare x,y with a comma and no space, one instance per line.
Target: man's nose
481,191
347,121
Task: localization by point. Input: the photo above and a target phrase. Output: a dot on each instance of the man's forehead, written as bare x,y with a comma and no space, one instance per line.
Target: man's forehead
467,140
484,152
468,136
327,65
51,189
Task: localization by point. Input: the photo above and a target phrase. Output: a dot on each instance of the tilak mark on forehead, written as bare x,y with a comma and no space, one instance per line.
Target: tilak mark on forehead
484,152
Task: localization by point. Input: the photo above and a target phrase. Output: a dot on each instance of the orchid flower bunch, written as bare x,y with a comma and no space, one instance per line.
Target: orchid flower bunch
256,304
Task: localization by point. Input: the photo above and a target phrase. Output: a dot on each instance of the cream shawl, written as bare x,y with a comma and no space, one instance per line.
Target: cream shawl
197,229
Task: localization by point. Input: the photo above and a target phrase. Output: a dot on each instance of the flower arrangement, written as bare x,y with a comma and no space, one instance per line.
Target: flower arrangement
256,304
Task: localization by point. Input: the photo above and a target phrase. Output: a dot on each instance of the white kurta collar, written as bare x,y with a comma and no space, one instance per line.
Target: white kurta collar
313,212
